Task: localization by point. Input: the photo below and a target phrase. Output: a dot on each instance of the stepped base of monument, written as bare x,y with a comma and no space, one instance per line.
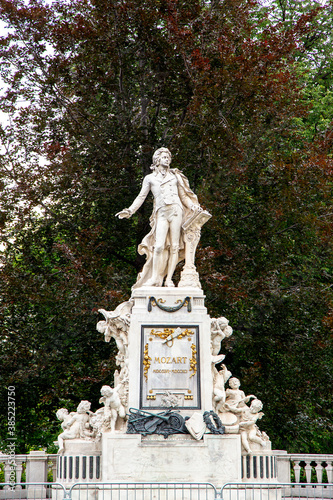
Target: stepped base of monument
214,459
132,458
139,467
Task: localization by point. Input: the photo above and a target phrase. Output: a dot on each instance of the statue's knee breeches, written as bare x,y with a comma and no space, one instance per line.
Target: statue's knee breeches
158,250
174,249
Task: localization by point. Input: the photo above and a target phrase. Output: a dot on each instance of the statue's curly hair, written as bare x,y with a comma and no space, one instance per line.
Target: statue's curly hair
157,155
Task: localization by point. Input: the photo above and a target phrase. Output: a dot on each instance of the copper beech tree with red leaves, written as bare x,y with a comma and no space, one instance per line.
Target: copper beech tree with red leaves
91,89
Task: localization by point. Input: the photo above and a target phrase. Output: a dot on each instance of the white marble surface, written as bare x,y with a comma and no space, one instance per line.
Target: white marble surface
82,447
141,317
214,459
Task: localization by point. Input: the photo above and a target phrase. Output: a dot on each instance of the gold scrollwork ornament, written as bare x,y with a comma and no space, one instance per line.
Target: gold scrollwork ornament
193,360
146,362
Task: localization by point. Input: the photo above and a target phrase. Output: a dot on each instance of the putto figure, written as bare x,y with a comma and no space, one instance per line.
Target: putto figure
248,429
75,425
174,203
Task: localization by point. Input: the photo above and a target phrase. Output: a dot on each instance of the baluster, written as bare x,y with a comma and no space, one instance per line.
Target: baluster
251,467
297,470
308,470
19,468
329,470
7,475
319,473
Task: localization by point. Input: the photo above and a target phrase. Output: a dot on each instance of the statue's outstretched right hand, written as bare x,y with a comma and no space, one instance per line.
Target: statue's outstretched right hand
124,214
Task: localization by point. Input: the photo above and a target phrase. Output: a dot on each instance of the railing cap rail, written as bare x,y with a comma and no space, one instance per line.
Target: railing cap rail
324,457
4,456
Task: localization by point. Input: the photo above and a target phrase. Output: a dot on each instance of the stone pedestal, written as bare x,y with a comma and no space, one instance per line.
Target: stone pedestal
169,350
134,458
168,346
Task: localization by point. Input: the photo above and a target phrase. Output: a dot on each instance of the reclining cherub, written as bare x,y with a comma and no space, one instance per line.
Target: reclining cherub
75,425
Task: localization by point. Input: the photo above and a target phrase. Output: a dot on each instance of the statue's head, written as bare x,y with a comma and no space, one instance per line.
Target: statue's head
157,155
234,383
222,322
256,406
62,413
106,391
83,407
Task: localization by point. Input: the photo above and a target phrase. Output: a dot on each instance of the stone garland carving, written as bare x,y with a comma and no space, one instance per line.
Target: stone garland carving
180,303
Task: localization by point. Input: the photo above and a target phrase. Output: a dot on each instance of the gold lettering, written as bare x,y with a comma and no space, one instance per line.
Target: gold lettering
168,360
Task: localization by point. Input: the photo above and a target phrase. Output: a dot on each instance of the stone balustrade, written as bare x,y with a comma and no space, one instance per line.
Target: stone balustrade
78,469
282,466
31,468
313,467
308,470
259,467
304,468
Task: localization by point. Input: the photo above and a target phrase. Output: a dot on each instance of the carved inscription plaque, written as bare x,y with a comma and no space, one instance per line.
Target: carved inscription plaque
170,368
